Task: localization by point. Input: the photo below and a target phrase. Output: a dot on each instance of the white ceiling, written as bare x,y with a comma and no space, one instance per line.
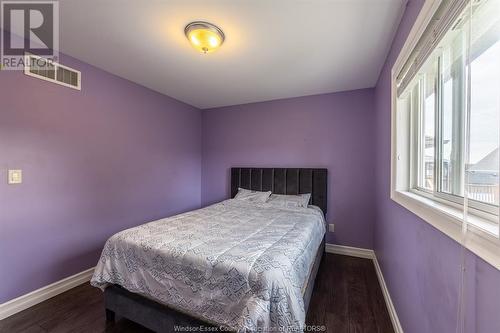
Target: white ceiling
273,49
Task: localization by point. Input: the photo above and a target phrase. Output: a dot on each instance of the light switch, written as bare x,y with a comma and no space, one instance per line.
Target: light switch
15,176
331,227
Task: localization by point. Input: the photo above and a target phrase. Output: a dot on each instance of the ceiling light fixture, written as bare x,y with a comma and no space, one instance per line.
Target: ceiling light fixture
204,36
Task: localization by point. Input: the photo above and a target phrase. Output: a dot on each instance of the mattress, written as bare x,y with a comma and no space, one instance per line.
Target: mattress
236,264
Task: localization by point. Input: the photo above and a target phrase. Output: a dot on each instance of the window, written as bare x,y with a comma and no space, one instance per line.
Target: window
425,126
484,126
441,112
446,118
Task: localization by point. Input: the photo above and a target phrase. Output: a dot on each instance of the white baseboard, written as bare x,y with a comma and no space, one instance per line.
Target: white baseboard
370,254
388,301
349,251
25,301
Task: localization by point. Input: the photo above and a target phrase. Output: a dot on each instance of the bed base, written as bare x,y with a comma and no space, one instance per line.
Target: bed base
150,314
160,318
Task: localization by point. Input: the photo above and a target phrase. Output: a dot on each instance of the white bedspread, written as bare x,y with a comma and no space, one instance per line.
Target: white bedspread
236,264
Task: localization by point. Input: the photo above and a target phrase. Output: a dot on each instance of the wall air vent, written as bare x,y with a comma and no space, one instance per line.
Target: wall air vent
51,71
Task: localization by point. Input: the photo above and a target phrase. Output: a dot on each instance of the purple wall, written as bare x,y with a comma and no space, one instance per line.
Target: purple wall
334,131
421,264
116,155
94,162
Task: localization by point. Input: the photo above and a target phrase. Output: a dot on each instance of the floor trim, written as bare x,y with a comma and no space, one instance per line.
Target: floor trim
370,254
349,251
23,302
388,300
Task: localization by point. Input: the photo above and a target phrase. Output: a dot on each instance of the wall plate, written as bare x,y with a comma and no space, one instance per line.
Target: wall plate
15,177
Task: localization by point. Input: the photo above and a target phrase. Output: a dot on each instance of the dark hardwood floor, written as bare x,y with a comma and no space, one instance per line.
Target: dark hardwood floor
346,298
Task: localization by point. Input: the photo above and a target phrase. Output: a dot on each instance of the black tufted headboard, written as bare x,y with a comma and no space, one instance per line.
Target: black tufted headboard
283,181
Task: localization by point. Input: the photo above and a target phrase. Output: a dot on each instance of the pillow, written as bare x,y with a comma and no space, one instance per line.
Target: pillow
281,200
252,196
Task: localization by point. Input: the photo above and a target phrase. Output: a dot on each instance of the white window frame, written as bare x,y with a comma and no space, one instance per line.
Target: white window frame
437,211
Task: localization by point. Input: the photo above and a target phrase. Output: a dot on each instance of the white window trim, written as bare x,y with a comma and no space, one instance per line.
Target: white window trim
447,219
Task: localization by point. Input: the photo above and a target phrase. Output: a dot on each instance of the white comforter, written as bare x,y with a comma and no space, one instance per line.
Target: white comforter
236,264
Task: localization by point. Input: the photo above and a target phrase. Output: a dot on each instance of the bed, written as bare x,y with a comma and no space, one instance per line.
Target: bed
231,266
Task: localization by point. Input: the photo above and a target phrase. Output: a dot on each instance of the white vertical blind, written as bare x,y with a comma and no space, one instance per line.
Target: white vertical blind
482,26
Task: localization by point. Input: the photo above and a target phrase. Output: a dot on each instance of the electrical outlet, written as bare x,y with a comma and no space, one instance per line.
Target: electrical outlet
331,227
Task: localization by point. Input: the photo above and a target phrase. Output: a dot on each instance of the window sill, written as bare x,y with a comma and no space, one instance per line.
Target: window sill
482,238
